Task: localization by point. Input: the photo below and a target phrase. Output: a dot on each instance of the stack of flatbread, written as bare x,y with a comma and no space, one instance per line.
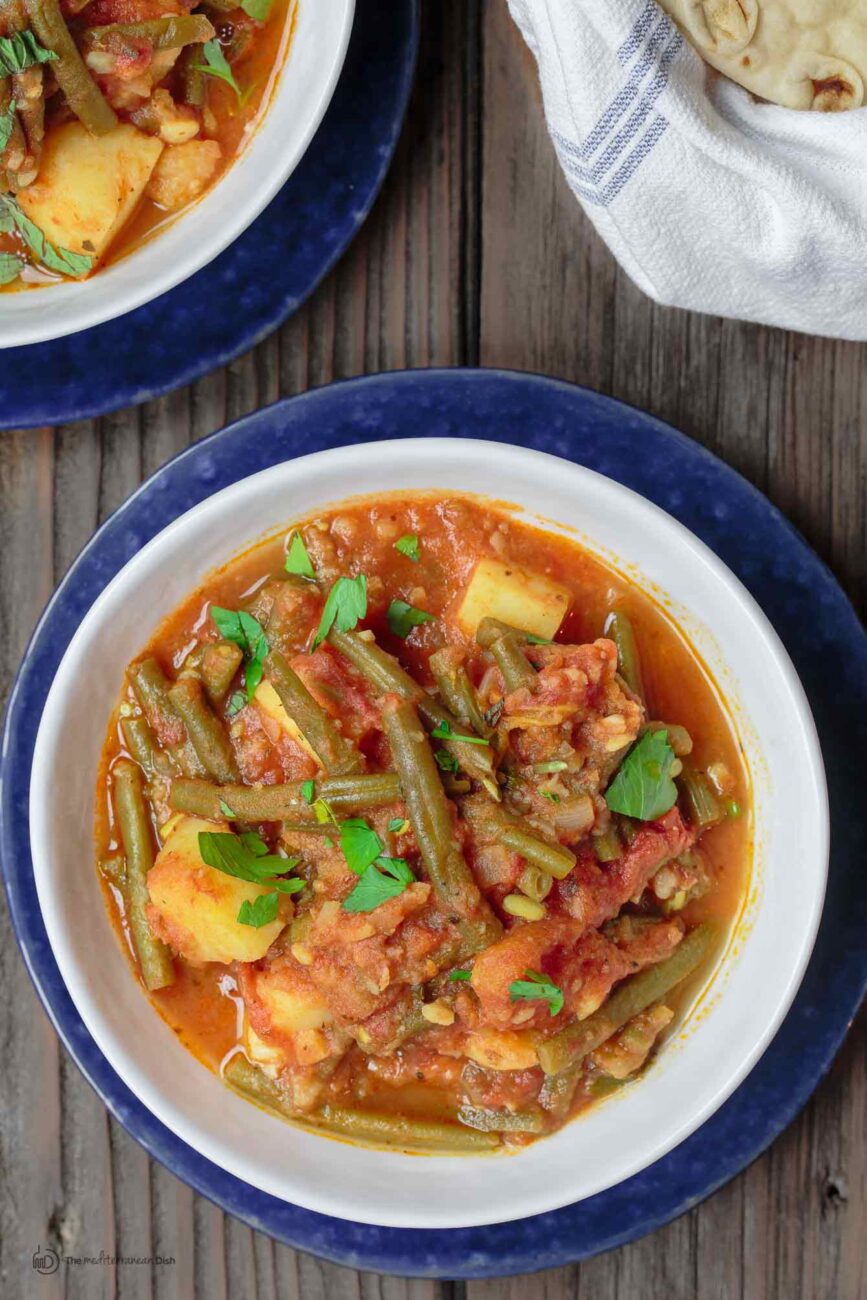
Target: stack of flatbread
798,53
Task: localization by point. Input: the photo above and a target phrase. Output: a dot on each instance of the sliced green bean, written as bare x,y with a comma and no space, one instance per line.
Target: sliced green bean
702,804
167,33
501,1120
619,629
219,663
257,1086
154,957
558,1093
429,810
554,859
535,883
192,78
141,743
81,91
384,672
316,725
516,668
570,1045
458,691
277,803
151,687
207,734
608,845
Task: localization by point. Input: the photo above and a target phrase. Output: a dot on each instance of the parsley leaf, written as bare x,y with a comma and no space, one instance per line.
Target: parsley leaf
217,65
532,639
226,810
244,631
360,844
536,987
550,795
7,122
643,787
398,825
409,546
258,9
372,889
446,762
443,731
460,975
21,50
308,789
297,559
260,912
402,618
323,812
52,258
10,265
346,604
246,857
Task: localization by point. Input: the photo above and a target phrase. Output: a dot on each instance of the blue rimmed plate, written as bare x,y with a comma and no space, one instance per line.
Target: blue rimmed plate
803,601
243,295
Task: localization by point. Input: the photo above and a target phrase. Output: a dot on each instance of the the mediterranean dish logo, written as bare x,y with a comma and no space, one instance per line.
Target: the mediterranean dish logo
46,1260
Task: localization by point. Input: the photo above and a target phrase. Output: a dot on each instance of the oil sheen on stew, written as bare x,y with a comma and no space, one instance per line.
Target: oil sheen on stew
422,826
116,115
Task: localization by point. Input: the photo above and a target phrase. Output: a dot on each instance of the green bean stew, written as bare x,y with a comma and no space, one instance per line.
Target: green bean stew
422,826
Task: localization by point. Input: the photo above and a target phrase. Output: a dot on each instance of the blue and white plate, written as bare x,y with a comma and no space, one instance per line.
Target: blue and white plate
800,596
251,288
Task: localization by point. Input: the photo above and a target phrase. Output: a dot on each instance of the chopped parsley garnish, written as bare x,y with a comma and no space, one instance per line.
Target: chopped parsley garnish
246,857
550,795
398,825
532,639
51,257
21,50
297,559
536,987
308,790
446,762
243,630
10,265
217,65
260,11
261,911
360,844
323,812
643,787
382,877
345,606
402,618
443,731
7,122
409,546
236,703
456,976
226,810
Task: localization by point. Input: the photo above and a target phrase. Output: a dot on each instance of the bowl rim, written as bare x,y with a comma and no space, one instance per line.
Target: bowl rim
167,273
429,447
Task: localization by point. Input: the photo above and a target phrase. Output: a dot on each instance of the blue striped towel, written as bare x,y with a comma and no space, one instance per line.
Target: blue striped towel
709,199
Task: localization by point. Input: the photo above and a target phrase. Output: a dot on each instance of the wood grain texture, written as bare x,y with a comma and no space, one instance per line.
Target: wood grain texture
475,253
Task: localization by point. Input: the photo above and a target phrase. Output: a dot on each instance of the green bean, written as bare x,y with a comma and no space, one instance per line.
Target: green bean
113,868
535,883
219,663
430,813
248,1079
554,859
81,91
490,630
703,806
618,627
457,691
516,668
384,672
192,78
316,725
154,957
558,1092
167,33
607,844
277,803
152,692
207,734
634,995
501,1121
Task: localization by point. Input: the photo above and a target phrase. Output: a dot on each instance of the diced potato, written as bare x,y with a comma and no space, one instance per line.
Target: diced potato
196,907
89,185
268,702
184,171
501,1049
293,1005
513,595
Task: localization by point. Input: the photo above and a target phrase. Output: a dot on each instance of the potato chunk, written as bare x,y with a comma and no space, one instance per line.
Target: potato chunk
89,185
269,704
513,595
194,907
183,172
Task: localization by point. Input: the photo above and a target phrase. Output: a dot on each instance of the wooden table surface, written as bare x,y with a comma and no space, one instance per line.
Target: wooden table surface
476,254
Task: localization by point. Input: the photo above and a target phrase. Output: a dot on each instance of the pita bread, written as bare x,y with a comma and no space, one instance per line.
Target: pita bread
798,53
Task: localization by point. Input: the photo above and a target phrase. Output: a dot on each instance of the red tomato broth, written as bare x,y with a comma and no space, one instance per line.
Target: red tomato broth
455,532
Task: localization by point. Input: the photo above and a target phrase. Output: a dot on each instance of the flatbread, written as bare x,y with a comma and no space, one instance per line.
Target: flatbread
798,53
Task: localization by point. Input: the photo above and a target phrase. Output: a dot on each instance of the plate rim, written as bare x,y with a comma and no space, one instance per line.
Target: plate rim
194,1174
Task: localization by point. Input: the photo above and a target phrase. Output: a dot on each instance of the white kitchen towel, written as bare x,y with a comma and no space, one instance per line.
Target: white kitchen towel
709,199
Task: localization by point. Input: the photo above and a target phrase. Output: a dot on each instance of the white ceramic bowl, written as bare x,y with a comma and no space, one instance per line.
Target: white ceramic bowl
721,1039
303,93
